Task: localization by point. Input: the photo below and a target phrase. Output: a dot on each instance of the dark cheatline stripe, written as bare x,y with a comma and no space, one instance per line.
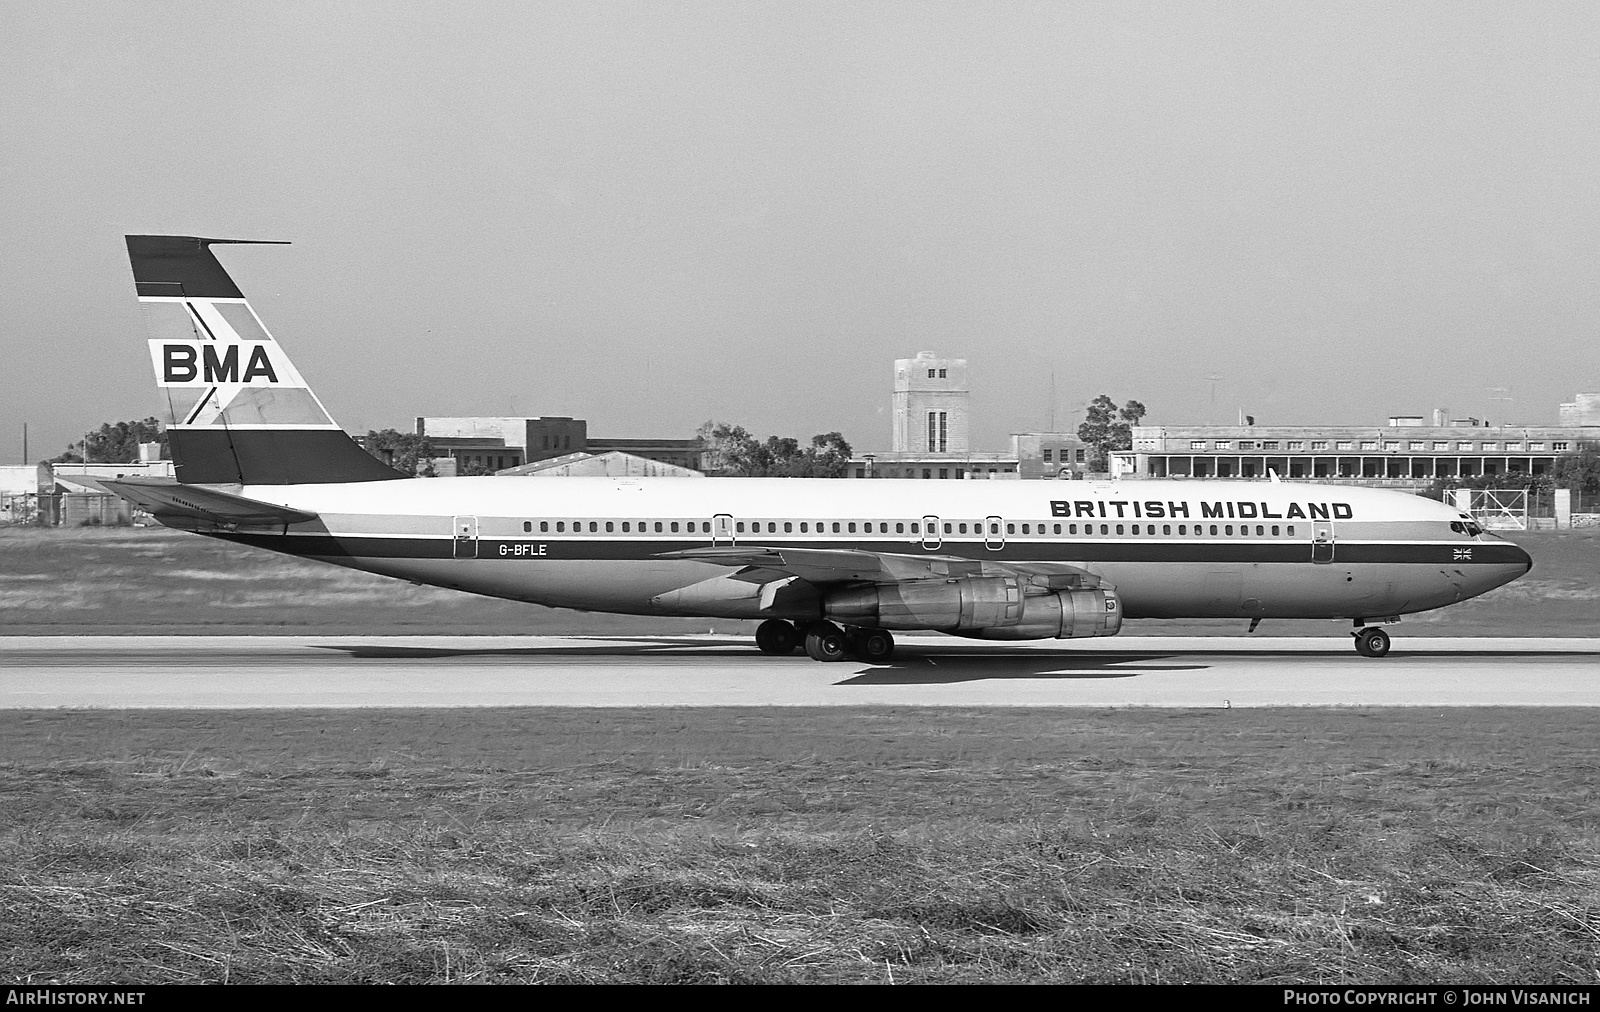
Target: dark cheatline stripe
599,549
272,457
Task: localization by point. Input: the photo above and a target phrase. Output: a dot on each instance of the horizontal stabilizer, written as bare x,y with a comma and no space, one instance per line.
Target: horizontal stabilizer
182,266
167,500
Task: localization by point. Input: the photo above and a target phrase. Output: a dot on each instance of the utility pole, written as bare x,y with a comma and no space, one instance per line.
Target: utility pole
1052,427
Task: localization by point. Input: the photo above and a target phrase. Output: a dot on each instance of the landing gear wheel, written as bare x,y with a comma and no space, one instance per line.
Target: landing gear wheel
875,646
825,642
1372,642
777,637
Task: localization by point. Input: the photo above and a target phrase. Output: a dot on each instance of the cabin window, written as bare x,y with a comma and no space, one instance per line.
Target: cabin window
1105,529
916,528
627,528
805,528
1213,530
963,528
1119,529
948,529
1074,528
1166,529
788,528
1229,529
609,528
995,529
594,528
1291,530
527,526
1274,530
1260,531
899,528
1012,528
852,526
836,527
658,527
1024,528
561,526
739,527
1183,528
674,526
772,527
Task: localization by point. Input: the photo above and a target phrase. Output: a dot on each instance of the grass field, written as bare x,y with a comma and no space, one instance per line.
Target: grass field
827,845
769,845
132,580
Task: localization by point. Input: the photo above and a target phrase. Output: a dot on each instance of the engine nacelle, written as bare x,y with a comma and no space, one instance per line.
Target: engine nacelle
967,604
1065,614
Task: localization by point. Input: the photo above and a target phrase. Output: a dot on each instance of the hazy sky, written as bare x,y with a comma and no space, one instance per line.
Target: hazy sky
650,215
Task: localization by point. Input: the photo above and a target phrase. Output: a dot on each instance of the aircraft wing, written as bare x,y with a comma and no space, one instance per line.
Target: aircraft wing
825,565
191,504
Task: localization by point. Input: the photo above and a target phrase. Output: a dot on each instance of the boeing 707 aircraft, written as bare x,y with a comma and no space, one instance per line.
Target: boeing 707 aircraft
835,567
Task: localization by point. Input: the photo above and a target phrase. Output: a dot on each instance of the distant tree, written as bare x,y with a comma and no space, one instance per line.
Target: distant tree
828,456
115,443
728,449
406,452
1107,427
732,450
1580,469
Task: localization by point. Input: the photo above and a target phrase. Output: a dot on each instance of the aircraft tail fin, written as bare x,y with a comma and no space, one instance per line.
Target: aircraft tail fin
238,412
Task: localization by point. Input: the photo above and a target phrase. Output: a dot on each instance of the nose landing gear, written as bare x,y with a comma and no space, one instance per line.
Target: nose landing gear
1371,641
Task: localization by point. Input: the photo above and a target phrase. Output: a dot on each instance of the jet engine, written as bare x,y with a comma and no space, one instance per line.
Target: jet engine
950,605
1062,614
991,608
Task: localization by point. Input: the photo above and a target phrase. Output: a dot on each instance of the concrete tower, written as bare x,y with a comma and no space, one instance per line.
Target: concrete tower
930,405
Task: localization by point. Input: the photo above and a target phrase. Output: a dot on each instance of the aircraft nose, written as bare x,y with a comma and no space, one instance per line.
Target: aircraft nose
1524,558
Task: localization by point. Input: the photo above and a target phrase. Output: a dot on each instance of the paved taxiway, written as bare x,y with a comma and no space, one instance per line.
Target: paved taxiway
433,671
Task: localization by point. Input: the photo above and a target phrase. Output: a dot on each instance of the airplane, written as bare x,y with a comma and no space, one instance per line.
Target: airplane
833,567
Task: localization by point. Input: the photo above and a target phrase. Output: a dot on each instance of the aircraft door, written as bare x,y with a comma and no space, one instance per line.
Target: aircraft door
1321,541
722,530
931,539
466,537
994,533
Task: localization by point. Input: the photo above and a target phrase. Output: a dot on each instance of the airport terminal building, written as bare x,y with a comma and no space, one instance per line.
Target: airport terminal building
498,444
1410,452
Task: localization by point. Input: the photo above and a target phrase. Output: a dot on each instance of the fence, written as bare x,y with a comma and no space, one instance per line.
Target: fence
1529,508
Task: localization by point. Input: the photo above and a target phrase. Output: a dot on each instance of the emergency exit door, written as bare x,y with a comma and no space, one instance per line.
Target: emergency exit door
466,537
1321,541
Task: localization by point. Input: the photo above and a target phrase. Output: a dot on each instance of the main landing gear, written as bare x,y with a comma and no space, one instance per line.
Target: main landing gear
825,641
776,637
1371,641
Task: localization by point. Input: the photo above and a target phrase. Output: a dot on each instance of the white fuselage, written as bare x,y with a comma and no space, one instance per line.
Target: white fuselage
1171,548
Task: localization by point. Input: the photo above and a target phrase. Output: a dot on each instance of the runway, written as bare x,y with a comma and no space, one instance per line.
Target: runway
177,672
